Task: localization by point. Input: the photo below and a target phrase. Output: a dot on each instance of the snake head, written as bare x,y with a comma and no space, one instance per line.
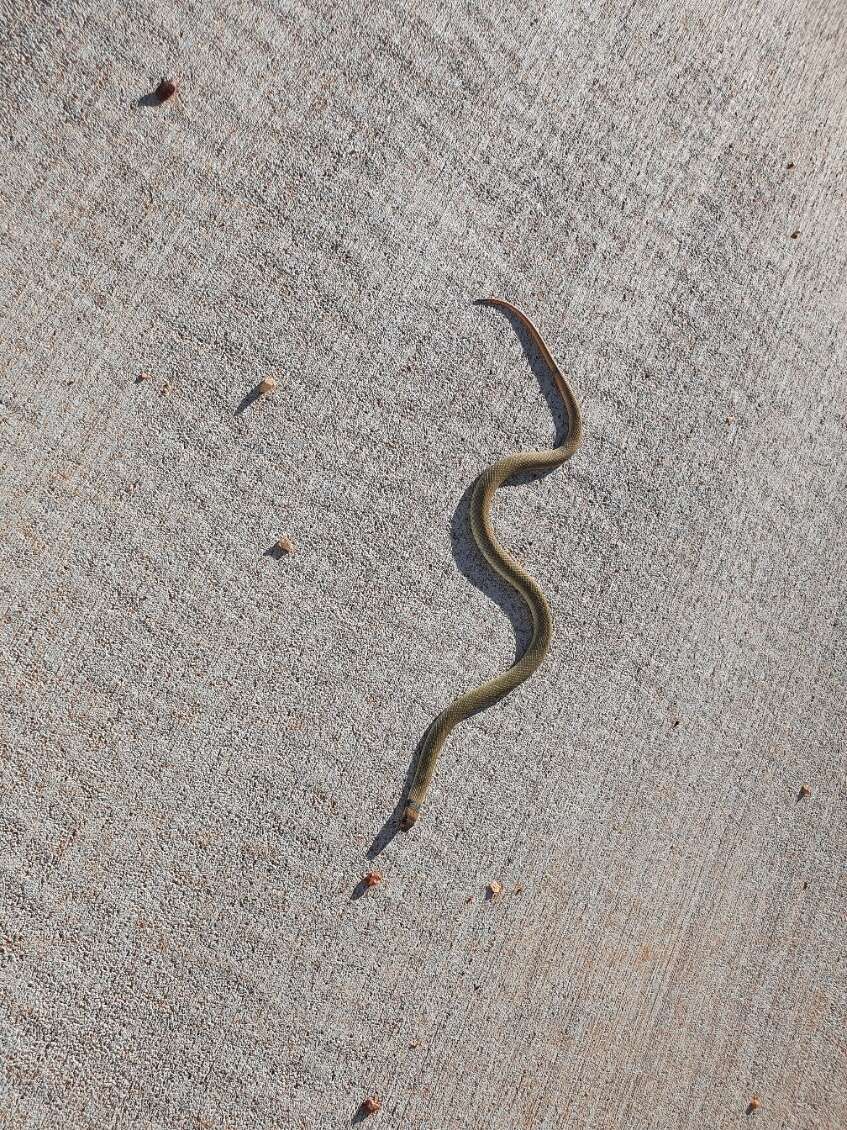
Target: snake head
410,815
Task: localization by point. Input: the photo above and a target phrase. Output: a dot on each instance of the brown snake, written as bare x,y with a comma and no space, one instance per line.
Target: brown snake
480,698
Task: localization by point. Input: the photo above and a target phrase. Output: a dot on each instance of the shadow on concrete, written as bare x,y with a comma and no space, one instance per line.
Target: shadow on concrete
152,98
251,398
362,1113
360,889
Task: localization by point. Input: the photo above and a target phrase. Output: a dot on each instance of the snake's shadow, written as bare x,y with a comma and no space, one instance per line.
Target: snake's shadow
472,565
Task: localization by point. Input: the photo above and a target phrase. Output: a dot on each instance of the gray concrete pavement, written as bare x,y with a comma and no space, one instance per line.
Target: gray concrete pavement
203,743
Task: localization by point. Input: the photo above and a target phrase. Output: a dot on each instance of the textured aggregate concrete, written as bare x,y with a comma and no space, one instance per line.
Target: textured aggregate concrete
204,742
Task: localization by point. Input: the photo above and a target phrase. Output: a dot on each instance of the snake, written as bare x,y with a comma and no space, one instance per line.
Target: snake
508,568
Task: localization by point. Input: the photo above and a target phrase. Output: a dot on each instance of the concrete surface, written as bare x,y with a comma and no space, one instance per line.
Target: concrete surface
202,743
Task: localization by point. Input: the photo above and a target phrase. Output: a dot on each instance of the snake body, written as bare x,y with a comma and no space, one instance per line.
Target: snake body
480,698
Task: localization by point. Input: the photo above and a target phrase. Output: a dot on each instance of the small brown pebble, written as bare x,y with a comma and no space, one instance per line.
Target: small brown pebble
372,878
519,889
790,165
142,377
754,1104
165,90
805,791
285,545
795,234
166,389
414,1043
372,1104
730,419
494,889
267,385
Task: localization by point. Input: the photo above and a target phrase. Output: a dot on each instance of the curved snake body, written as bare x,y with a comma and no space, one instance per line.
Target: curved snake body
480,698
